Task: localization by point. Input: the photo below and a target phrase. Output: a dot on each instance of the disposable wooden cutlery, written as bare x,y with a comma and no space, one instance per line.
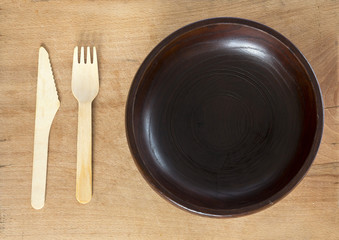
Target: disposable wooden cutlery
85,87
47,104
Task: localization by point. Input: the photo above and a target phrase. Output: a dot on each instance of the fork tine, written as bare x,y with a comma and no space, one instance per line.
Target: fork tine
75,56
95,60
88,58
82,55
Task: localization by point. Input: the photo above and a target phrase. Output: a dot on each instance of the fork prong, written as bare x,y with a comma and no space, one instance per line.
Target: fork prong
95,60
82,55
75,56
88,58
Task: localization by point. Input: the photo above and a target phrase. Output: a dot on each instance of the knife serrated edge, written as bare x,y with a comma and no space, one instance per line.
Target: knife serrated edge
50,67
42,50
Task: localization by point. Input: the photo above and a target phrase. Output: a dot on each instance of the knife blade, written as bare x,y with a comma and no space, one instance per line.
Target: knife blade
47,104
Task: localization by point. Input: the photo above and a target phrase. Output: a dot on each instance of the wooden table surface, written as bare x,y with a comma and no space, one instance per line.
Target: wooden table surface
123,205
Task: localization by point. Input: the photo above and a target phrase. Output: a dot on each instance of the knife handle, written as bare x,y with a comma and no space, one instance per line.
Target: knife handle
39,174
84,153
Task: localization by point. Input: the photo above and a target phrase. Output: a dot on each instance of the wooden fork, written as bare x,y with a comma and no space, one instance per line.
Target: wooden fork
85,87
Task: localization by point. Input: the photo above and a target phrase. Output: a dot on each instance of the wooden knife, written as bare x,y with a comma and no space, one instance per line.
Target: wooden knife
47,104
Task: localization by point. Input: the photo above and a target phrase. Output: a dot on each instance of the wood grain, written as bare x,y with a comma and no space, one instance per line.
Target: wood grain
123,205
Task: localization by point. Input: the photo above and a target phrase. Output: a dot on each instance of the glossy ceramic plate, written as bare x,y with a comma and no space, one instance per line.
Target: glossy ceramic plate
224,117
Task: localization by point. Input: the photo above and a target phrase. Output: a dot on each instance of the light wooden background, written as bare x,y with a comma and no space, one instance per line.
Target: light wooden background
123,205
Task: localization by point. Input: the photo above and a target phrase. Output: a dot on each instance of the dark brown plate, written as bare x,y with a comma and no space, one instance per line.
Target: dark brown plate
224,117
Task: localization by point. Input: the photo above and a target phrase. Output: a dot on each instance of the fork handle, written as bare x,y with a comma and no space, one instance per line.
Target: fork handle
84,154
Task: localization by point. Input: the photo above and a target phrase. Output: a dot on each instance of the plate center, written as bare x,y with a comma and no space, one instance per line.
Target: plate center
220,122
